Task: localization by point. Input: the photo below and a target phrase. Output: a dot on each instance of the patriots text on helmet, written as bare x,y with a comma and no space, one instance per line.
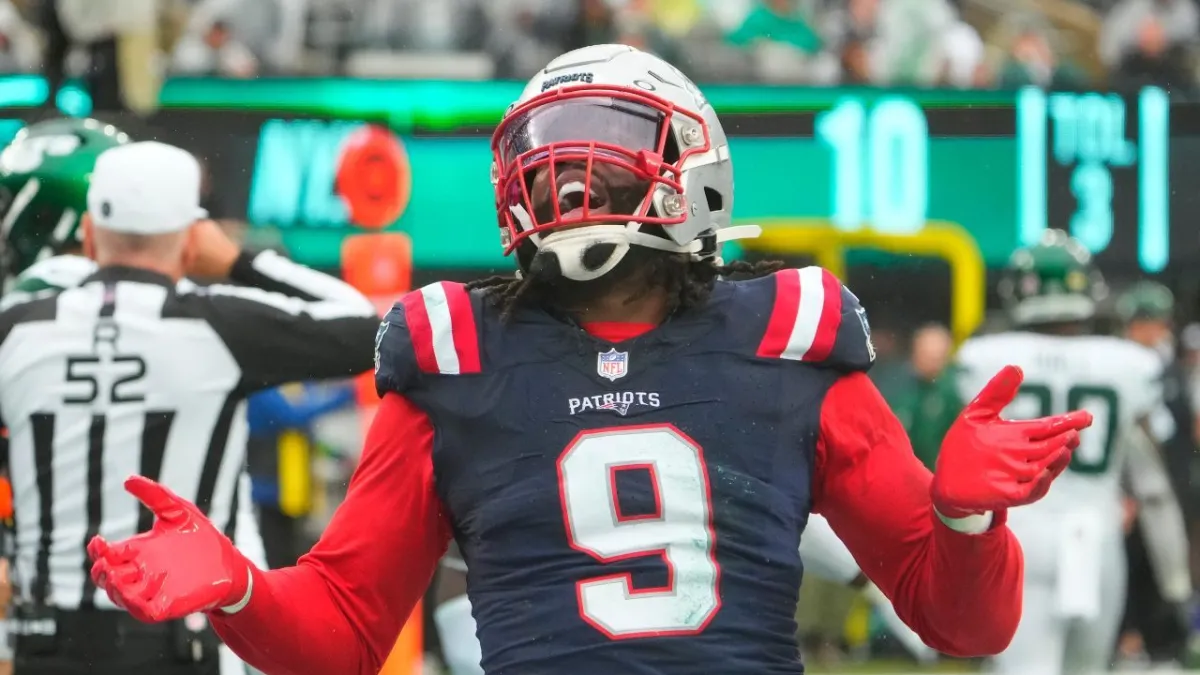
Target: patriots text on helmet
572,78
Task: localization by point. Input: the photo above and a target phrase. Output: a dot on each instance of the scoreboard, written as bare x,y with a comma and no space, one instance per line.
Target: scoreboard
1118,170
1097,164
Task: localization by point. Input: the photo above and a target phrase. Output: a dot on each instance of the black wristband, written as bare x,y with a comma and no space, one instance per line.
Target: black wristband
243,271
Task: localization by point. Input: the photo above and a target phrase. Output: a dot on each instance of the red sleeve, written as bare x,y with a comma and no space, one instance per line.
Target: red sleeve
341,608
960,592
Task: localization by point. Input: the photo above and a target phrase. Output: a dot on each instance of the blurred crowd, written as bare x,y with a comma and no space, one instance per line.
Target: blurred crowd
950,43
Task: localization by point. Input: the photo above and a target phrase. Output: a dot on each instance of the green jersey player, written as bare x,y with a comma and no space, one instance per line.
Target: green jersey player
44,176
1073,539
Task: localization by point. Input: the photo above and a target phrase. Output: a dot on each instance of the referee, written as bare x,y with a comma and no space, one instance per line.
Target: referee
138,371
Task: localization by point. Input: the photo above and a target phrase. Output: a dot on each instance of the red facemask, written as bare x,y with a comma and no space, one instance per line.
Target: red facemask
591,154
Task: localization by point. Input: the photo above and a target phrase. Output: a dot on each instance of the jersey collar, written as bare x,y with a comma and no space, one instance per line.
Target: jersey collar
124,273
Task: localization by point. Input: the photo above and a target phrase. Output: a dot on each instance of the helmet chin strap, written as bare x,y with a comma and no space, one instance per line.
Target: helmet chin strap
571,246
736,232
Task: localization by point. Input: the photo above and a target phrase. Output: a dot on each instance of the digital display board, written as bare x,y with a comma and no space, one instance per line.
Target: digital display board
1114,169
1091,163
1108,168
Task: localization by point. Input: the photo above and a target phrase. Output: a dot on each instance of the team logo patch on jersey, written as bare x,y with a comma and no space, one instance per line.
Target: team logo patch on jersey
862,318
379,341
620,402
612,364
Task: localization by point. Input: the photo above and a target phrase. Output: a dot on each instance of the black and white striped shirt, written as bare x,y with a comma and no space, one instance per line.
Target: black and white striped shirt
132,373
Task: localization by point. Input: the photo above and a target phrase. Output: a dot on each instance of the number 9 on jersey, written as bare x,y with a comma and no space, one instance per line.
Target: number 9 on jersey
680,531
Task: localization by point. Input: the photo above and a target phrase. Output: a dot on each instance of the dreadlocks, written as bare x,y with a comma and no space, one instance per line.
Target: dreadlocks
688,283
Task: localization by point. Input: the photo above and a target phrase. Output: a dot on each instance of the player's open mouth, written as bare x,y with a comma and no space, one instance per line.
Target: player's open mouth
580,199
576,195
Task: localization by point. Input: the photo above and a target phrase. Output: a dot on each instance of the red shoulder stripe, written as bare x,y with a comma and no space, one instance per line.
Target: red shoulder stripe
419,331
442,326
464,331
807,313
783,317
830,319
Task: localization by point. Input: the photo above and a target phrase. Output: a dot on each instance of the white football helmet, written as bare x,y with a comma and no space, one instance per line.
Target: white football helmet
610,147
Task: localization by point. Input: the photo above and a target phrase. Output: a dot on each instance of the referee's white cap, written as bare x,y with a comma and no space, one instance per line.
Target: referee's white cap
145,188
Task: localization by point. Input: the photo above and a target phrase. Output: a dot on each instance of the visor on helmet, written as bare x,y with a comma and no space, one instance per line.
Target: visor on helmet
574,124
595,155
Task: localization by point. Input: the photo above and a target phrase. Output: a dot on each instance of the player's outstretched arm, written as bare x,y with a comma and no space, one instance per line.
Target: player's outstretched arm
341,607
959,589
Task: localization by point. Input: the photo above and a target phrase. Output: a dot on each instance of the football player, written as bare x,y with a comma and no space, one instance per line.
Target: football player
1159,576
625,445
1073,540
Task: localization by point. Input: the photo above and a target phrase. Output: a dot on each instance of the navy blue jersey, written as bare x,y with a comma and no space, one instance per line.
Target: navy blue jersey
632,507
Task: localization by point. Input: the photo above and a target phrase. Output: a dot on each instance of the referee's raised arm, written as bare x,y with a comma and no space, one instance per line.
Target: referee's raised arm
281,321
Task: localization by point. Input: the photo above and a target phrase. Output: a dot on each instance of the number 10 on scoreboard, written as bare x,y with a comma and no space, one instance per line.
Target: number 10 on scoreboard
880,163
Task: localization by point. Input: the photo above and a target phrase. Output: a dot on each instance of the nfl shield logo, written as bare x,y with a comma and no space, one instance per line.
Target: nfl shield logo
612,364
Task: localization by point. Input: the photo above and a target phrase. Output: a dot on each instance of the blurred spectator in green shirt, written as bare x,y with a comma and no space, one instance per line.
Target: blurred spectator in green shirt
777,21
923,395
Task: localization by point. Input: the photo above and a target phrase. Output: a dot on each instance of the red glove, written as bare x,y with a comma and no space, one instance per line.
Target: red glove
988,464
183,565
